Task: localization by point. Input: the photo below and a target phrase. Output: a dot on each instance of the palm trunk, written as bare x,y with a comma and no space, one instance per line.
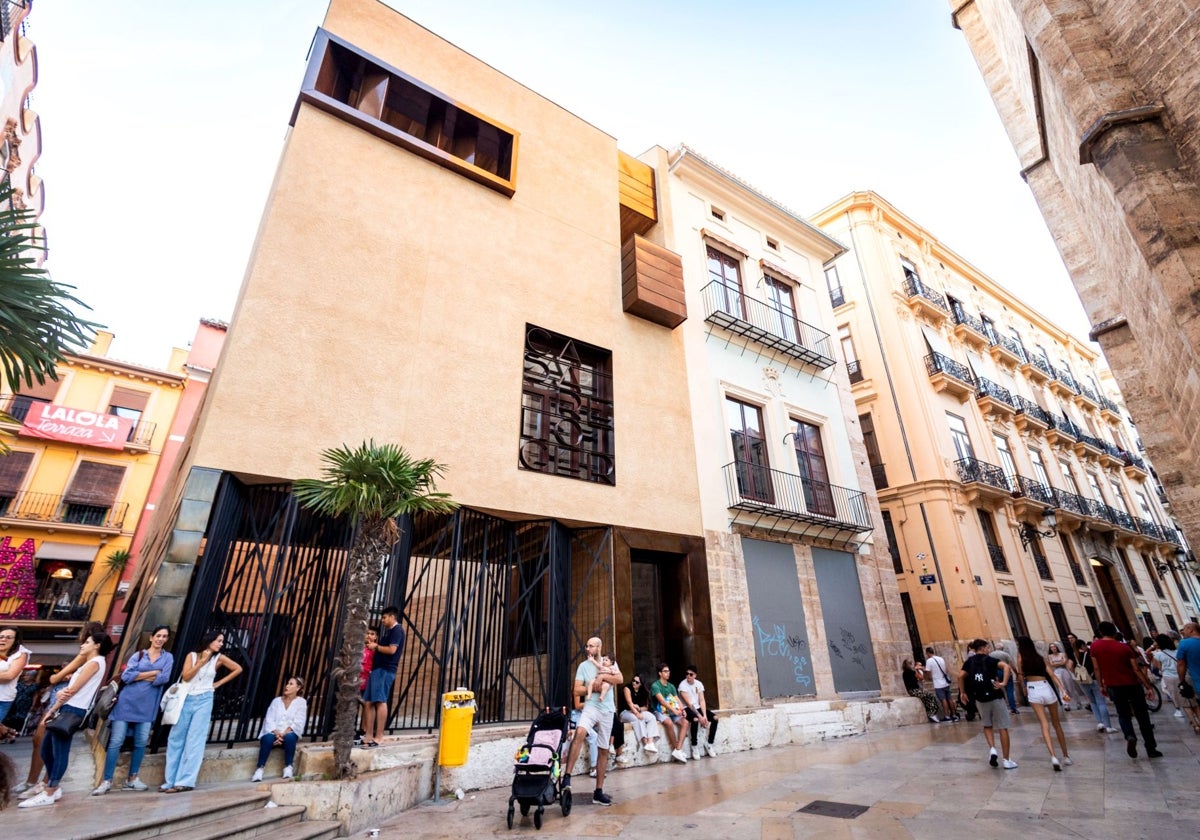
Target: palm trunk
371,548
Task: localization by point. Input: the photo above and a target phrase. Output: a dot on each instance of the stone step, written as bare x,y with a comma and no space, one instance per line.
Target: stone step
260,822
137,816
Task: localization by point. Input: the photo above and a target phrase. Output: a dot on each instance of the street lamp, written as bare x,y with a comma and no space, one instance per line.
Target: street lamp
1028,533
1180,564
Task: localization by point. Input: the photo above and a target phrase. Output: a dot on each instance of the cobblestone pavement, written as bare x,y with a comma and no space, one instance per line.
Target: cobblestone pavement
920,781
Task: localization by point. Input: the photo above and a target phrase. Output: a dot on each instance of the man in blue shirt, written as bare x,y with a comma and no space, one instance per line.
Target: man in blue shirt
597,716
1187,656
387,652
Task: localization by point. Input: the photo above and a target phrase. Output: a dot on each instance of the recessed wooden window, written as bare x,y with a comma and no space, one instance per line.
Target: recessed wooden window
717,213
359,88
772,244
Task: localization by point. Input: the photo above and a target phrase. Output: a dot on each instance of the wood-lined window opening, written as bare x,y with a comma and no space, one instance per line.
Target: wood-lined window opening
355,86
753,465
92,492
567,408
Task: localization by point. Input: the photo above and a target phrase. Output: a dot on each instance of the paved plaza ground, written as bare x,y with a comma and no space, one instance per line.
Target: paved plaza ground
921,781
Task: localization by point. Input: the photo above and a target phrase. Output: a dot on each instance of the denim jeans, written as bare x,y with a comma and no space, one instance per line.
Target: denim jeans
1099,705
118,729
56,750
267,742
185,747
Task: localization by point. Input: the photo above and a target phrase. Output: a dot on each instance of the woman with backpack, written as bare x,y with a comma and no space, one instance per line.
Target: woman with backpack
137,705
1044,692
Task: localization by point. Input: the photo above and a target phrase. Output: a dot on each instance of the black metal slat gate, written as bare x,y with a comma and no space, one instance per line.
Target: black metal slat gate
500,607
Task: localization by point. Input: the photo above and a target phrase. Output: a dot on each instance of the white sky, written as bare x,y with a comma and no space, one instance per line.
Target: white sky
163,120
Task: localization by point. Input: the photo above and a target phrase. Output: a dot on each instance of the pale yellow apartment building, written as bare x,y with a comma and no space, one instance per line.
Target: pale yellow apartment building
1014,495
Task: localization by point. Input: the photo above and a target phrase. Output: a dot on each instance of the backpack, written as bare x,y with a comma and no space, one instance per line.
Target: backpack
982,670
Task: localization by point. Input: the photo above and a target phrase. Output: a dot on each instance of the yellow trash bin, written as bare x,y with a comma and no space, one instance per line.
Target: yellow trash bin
458,711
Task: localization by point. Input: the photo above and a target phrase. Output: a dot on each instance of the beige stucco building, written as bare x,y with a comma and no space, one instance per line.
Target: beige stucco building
1101,101
1013,494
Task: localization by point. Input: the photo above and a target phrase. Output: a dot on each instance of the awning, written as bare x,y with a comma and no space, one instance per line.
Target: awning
937,343
73,552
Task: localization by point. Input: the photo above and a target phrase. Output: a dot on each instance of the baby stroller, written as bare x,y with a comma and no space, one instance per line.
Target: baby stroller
537,773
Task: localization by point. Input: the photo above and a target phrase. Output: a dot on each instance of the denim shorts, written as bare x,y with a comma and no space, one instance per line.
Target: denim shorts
379,686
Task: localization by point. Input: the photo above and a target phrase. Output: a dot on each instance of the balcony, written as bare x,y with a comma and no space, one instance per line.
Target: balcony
1064,384
969,329
1085,397
994,400
925,302
854,371
949,376
1112,456
1135,467
984,482
1109,410
791,502
999,561
45,509
879,476
1089,447
1042,564
1007,351
17,407
1062,432
1120,518
1037,370
1030,497
727,307
1030,415
837,297
1071,506
1150,530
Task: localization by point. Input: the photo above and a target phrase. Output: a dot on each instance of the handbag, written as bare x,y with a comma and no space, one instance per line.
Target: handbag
172,703
65,723
1186,691
102,706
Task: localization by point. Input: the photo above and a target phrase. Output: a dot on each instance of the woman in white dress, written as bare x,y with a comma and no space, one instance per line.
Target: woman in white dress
1064,668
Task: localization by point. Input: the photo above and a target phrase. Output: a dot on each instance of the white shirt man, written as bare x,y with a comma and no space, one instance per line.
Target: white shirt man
691,692
935,666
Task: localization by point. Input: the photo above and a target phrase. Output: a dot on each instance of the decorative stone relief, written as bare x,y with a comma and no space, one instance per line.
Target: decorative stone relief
771,381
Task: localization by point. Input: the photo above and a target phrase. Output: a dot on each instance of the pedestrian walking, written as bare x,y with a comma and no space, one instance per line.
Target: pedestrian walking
137,705
1164,657
983,679
1187,662
1045,692
1063,664
1120,672
1085,677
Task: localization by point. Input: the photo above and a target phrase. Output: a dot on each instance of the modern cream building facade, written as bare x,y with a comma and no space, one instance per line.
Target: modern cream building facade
1013,494
1100,101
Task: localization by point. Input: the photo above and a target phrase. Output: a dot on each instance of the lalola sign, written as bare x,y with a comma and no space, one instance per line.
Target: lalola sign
57,422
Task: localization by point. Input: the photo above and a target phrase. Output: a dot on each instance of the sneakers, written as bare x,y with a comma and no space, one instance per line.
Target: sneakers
32,791
1109,730
1100,727
1153,754
287,772
42,799
712,750
1054,763
697,752
1009,764
1178,713
257,777
945,720
679,755
592,773
601,798
994,757
135,784
624,758
933,719
1131,747
1067,760
566,780
21,788
103,788
650,746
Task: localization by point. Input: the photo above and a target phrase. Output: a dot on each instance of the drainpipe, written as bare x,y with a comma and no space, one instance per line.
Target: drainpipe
887,370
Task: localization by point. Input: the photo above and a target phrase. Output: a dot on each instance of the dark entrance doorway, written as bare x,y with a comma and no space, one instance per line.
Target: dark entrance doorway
1108,589
657,584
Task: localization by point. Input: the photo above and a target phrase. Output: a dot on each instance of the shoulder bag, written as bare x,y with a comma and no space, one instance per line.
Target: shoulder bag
172,702
65,723
1082,675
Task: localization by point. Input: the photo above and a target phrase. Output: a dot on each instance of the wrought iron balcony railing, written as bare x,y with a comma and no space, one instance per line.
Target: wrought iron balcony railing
728,307
1120,518
913,287
937,363
1072,502
759,489
1028,407
1035,490
1076,571
1064,376
1113,450
17,407
46,507
854,369
1009,344
1108,405
1150,529
1134,461
1042,564
1064,425
1088,393
837,297
972,470
999,561
1041,364
1090,440
961,317
76,608
988,388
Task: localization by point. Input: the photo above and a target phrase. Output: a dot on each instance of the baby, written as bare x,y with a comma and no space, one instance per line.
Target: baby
606,667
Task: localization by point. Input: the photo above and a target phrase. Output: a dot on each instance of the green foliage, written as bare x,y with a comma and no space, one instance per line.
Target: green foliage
37,326
375,482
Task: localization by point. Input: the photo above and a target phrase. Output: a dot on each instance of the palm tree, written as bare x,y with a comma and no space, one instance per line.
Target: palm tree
37,326
374,484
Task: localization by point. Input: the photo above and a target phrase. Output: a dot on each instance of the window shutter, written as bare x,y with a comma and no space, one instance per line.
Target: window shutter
129,398
44,391
13,467
95,484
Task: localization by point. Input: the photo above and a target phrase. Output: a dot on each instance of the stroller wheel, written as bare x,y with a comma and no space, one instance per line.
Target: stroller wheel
510,815
537,819
566,802
524,809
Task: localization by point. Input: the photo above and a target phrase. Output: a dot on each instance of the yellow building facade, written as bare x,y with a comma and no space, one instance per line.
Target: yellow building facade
1014,495
83,450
